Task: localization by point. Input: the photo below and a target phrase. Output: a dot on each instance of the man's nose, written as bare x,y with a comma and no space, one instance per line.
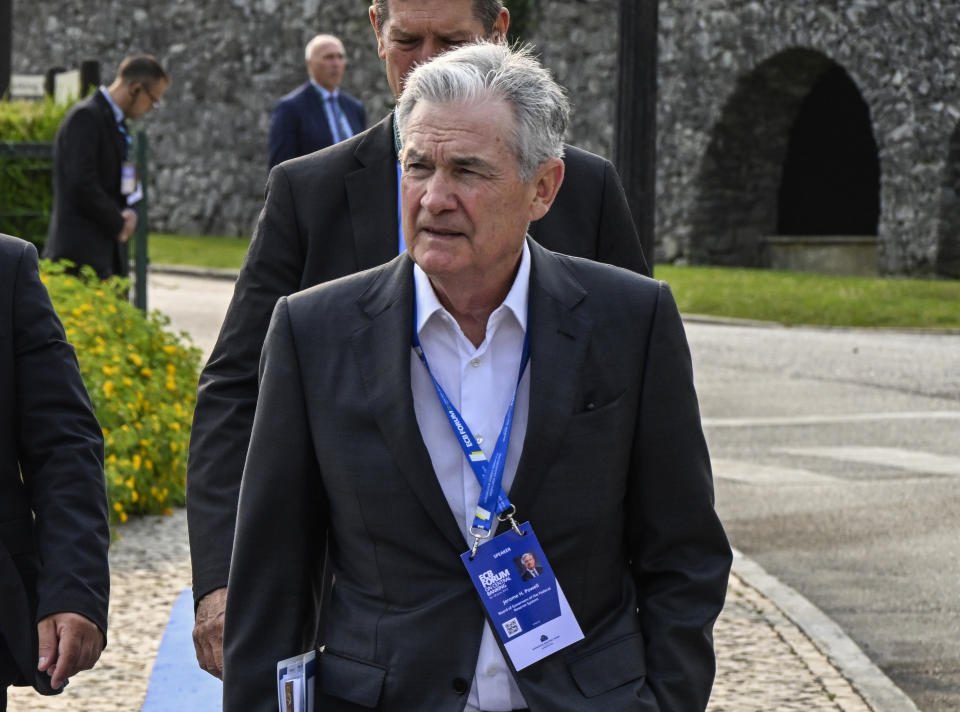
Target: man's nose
438,195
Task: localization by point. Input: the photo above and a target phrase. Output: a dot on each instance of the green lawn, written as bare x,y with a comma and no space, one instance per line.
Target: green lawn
790,298
197,251
795,298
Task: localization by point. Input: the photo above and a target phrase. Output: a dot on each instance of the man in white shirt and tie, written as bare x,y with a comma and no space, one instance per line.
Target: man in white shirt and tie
316,114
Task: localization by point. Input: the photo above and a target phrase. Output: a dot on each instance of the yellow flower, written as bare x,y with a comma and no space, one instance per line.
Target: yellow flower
146,372
134,496
167,511
112,458
170,350
136,465
117,506
123,516
108,388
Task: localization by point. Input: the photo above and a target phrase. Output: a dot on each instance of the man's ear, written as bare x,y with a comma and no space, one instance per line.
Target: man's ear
376,30
500,26
547,180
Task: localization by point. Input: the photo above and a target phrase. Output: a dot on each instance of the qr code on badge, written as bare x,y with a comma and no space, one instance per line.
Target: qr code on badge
511,627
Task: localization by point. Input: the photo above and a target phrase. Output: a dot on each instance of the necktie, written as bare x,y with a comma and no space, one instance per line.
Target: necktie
127,138
341,130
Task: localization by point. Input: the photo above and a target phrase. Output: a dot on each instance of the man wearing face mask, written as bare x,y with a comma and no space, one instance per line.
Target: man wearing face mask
331,214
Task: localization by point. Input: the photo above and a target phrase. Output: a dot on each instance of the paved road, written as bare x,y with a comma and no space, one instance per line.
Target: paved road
837,457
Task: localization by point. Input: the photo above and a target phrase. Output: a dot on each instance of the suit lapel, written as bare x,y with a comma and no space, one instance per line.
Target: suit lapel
558,346
372,196
382,349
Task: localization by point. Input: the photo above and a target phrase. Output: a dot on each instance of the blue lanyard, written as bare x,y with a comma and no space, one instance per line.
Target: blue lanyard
489,473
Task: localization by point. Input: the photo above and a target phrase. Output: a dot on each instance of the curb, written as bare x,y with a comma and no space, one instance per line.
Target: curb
207,272
734,321
877,690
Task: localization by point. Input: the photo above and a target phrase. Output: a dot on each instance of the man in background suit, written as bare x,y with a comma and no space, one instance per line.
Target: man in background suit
54,575
317,114
334,213
355,448
93,173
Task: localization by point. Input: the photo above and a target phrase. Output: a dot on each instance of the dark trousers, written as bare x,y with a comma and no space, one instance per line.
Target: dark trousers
3,698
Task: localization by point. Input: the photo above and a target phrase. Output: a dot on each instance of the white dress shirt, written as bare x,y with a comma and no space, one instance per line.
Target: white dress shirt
480,383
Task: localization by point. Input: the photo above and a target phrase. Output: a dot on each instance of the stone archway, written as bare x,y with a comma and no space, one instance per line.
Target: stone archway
758,173
831,173
948,243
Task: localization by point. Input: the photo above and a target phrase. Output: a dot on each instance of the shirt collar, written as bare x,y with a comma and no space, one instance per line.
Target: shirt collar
117,112
324,92
516,300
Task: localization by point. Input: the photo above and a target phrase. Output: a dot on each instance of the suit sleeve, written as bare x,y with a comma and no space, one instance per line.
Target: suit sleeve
78,154
281,531
617,241
227,392
60,448
679,553
284,140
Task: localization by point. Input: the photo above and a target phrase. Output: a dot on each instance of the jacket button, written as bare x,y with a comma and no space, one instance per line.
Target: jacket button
459,685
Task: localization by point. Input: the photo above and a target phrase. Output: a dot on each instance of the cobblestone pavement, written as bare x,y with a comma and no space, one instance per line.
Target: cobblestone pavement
764,662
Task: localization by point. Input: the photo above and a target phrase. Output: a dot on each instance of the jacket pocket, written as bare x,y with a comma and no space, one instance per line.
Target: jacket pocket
350,679
616,664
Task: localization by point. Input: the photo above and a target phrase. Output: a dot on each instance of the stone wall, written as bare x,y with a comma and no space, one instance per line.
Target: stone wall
732,76
713,56
230,61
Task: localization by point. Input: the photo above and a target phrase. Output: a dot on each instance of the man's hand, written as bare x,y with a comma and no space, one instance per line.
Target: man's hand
208,631
129,224
69,643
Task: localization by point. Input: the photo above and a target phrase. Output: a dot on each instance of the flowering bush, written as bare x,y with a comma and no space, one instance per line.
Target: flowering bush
142,380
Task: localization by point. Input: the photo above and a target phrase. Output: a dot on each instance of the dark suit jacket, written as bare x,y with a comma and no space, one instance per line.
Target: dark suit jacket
327,215
614,476
299,123
85,220
53,522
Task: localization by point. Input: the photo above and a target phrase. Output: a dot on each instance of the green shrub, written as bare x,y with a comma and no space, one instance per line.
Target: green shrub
30,121
26,183
142,380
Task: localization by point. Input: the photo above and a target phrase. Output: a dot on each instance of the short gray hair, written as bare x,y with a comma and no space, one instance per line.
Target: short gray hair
308,50
494,71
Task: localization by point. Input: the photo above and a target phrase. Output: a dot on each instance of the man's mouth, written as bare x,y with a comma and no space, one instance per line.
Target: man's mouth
440,232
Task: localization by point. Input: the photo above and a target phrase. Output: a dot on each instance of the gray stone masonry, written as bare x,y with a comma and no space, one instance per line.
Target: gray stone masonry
732,75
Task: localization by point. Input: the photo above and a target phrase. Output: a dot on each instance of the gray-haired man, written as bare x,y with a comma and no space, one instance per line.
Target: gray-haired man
477,377
334,213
